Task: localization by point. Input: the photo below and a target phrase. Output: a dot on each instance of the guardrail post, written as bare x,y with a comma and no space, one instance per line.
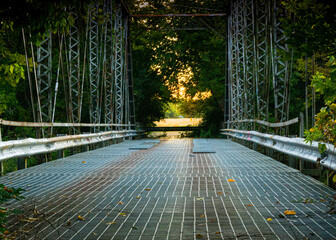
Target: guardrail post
21,163
0,134
292,162
60,153
254,146
2,168
301,125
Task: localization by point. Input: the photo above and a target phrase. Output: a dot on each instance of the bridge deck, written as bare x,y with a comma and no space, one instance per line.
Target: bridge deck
169,192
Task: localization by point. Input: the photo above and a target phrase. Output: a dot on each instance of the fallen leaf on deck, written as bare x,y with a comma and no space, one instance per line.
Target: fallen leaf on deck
200,198
122,214
199,235
281,215
68,223
148,189
289,212
133,227
231,180
80,218
322,200
248,205
31,220
219,193
64,196
94,234
111,223
138,197
217,232
213,220
269,219
83,162
121,203
202,215
277,202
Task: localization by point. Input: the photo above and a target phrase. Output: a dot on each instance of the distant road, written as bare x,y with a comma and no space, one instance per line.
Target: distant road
178,122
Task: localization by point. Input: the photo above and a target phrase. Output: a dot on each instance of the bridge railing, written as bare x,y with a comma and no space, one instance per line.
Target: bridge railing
24,148
295,147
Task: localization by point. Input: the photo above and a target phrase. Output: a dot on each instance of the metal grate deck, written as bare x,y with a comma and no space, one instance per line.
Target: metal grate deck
167,192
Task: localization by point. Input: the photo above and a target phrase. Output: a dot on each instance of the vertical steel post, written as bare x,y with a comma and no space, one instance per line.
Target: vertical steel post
74,72
280,68
249,83
108,65
118,61
94,65
262,60
44,77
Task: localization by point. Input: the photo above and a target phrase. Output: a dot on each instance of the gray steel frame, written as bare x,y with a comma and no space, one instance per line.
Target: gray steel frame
119,65
94,65
74,73
254,40
44,76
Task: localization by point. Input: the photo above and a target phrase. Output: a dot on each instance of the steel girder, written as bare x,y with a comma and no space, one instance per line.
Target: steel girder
118,63
44,76
74,73
94,65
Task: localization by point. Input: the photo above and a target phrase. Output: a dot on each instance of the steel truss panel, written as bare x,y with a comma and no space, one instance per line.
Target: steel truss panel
262,59
108,63
74,72
280,67
94,65
118,61
249,83
255,39
44,76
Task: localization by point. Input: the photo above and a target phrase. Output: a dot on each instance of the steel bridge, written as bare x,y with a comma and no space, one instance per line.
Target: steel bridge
114,187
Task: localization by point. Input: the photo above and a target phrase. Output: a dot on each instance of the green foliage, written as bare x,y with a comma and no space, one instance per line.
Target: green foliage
6,194
325,126
310,26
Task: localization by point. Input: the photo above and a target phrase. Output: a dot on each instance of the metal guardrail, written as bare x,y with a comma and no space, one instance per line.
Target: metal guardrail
29,147
45,124
295,147
268,124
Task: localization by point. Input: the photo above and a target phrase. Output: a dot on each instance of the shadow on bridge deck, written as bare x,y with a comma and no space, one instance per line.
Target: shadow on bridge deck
169,192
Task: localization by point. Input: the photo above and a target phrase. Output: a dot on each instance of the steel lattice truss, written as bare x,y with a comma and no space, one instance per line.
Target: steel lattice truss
97,55
44,71
94,65
108,64
254,40
118,48
74,73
